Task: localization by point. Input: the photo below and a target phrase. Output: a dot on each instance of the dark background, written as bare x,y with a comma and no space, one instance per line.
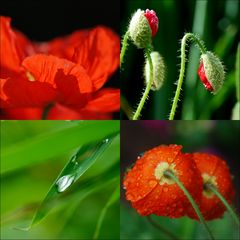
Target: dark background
42,20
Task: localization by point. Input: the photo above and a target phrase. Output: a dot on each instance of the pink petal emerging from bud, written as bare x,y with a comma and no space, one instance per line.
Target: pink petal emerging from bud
152,20
202,75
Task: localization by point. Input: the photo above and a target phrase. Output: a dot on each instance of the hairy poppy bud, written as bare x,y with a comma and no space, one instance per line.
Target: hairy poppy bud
211,72
142,27
159,70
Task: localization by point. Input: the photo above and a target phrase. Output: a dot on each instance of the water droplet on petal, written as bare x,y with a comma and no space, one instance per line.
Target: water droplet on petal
165,189
64,182
152,183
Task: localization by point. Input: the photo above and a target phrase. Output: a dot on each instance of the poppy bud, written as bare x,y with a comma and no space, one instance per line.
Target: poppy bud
159,70
152,20
211,72
142,27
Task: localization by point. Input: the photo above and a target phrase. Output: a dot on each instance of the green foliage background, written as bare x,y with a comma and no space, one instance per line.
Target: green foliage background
217,23
32,155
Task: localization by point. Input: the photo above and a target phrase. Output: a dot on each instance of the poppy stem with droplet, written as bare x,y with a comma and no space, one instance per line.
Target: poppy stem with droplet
124,47
224,201
161,228
200,45
191,200
148,86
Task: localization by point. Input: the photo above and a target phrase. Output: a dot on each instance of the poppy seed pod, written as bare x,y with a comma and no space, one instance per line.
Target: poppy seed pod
214,171
159,71
142,27
211,72
152,192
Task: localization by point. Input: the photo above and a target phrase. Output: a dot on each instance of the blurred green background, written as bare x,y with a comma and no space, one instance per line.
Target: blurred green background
33,153
217,23
217,137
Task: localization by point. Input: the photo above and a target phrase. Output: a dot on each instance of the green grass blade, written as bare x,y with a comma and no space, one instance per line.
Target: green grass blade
113,198
73,170
33,150
238,73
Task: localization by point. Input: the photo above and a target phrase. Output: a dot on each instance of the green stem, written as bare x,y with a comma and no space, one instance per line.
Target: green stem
124,47
148,87
191,200
197,41
162,229
231,211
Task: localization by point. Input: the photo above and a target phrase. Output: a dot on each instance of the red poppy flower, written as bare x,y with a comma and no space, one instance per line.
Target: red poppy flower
70,82
150,192
214,170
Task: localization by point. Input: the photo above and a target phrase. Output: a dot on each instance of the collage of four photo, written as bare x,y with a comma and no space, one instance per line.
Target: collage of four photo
120,119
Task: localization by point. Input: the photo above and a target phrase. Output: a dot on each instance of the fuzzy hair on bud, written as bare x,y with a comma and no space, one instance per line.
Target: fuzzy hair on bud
211,72
139,29
159,71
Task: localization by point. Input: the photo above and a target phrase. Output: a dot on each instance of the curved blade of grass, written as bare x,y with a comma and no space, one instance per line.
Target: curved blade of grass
113,198
44,147
85,157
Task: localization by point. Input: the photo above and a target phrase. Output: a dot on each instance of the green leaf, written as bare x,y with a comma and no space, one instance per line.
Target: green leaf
113,198
85,157
33,149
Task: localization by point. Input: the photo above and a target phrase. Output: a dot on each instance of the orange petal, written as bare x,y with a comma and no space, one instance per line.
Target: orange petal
60,112
62,47
105,100
45,68
14,48
99,54
24,93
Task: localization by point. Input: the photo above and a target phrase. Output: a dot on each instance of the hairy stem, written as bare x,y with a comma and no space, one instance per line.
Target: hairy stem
197,41
191,200
148,87
124,47
226,204
162,229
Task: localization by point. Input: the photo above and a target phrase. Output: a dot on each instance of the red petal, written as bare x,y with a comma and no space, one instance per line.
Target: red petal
61,112
22,113
14,48
24,93
99,54
62,47
45,68
105,100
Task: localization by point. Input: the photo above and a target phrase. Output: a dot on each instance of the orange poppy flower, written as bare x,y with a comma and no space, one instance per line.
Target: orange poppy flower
150,192
214,170
69,84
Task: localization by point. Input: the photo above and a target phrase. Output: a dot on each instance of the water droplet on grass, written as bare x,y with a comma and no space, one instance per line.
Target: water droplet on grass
64,182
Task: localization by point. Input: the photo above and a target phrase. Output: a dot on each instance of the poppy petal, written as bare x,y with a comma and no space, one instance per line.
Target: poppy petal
99,54
24,93
44,68
105,100
60,112
14,48
21,113
62,47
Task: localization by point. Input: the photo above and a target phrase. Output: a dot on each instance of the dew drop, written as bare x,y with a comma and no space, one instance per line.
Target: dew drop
64,182
106,140
174,196
165,189
152,183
